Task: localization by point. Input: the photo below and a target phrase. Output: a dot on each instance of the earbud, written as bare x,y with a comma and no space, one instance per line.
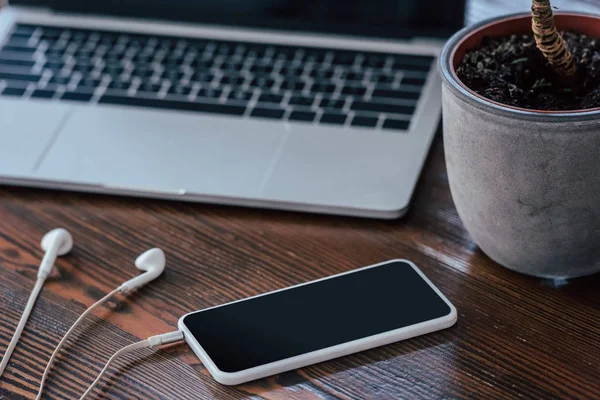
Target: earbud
153,262
57,242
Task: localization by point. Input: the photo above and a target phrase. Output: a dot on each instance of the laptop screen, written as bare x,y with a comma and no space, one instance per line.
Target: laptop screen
381,18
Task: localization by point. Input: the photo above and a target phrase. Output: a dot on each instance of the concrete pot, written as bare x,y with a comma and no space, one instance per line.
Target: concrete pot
526,183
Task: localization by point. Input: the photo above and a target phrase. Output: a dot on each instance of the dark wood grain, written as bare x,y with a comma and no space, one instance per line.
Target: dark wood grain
516,337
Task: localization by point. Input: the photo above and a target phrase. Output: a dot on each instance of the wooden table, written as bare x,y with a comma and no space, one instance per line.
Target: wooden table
516,336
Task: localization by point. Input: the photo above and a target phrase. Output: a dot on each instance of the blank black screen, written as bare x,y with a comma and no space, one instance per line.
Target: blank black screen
384,18
315,316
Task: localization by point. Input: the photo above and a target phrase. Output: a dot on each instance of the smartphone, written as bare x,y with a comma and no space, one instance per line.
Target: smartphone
316,321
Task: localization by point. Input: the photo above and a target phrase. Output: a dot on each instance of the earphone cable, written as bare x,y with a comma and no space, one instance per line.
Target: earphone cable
21,325
153,341
66,336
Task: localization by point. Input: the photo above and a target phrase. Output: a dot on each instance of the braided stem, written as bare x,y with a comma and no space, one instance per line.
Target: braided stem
549,41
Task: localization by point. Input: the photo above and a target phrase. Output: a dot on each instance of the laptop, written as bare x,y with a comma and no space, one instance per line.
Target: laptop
309,105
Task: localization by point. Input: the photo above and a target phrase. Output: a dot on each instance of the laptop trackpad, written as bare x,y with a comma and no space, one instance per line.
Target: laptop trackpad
163,151
27,129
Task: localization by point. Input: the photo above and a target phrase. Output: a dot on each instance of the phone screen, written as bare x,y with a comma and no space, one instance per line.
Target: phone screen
315,316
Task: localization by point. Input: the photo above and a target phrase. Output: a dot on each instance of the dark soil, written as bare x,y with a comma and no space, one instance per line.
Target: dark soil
513,71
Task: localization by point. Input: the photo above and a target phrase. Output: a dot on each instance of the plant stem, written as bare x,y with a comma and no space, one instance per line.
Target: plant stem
550,42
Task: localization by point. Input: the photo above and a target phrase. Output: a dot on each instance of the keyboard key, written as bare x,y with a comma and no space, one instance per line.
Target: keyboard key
285,53
270,98
344,58
172,75
263,82
364,121
83,54
179,90
333,118
12,76
225,49
321,73
314,55
267,113
396,94
119,84
77,96
353,76
79,36
51,33
232,80
24,29
261,69
413,81
202,77
382,107
412,67
149,87
55,53
13,91
322,88
396,124
255,51
214,108
404,61
142,72
59,80
291,71
354,90
171,63
240,95
19,42
89,82
8,55
332,103
306,116
201,65
374,61
84,67
293,85
17,63
43,93
382,79
54,65
113,70
210,93
302,101
232,67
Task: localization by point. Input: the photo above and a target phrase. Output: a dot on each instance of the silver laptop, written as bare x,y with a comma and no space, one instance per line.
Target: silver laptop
323,106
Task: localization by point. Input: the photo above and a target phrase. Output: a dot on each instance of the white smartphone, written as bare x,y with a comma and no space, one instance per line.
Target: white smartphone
316,321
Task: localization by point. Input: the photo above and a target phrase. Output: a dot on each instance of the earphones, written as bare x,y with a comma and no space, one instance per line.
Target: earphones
151,261
57,242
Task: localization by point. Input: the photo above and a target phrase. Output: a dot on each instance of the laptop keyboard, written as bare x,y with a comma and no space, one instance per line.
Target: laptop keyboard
255,80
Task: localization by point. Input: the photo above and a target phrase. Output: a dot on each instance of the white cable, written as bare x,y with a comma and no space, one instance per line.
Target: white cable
30,303
57,242
152,341
64,339
152,262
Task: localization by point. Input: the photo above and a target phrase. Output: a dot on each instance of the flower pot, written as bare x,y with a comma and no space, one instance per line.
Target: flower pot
526,183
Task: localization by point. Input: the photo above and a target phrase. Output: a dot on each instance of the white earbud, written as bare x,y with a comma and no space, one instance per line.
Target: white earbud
57,242
153,262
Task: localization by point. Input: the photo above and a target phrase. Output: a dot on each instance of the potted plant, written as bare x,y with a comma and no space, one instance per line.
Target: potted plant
521,119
